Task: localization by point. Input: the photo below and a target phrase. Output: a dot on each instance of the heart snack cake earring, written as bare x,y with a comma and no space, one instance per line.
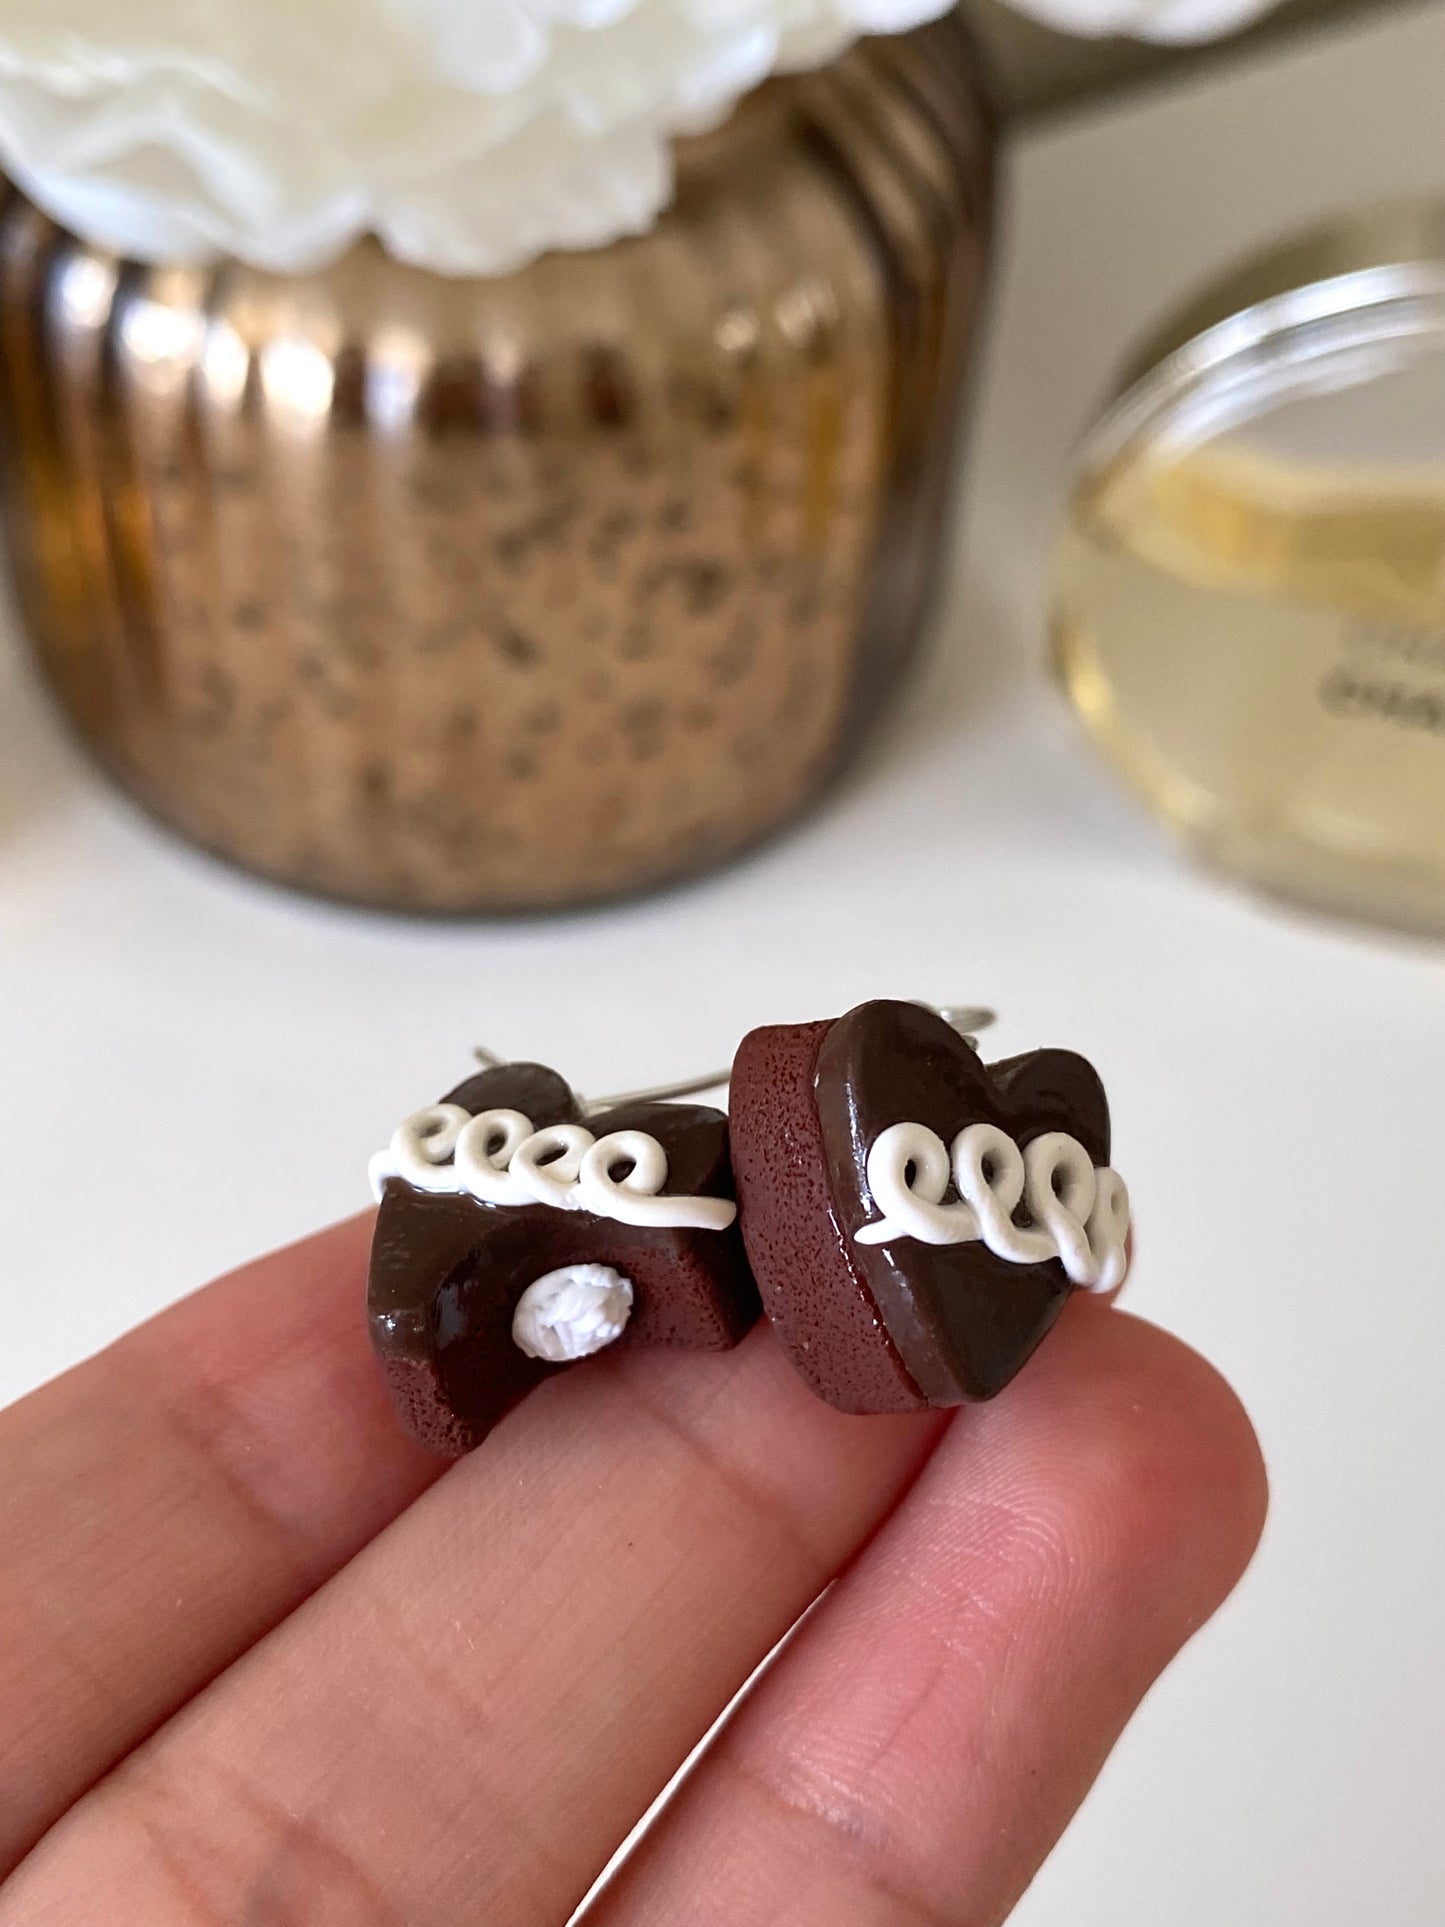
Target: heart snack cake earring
521,1229
914,1218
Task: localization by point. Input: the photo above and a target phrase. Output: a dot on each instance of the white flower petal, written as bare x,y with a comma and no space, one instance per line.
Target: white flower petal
471,134
1172,21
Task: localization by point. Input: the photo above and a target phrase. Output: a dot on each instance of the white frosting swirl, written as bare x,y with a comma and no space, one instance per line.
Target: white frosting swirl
908,1173
547,1164
1080,1214
485,1151
420,1148
497,1158
636,1197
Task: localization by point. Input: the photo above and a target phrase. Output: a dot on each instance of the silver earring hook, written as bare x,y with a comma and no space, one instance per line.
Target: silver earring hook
966,1019
655,1094
659,1093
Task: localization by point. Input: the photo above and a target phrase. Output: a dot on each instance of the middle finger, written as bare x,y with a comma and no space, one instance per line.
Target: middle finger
476,1710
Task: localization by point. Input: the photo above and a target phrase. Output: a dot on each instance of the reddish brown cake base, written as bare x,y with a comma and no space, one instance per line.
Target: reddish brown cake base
818,1302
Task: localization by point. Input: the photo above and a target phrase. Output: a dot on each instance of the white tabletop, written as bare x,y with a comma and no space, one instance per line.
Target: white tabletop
194,1067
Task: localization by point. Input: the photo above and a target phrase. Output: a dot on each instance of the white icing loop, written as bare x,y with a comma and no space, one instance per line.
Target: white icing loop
420,1148
572,1313
908,1172
1060,1195
1109,1230
484,1153
497,1158
635,1198
989,1170
546,1166
1078,1214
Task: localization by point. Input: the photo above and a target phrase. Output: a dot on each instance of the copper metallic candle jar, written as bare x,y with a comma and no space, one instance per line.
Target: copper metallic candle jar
483,595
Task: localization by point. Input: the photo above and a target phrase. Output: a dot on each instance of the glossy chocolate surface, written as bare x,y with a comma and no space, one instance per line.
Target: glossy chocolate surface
963,1321
447,1271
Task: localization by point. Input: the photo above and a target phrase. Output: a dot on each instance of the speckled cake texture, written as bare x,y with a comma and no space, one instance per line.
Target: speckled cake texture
819,1303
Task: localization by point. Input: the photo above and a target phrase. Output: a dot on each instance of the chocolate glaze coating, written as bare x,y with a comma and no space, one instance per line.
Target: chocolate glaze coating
447,1271
889,1328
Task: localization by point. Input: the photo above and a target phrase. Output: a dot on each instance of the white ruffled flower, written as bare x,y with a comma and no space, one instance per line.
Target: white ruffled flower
468,134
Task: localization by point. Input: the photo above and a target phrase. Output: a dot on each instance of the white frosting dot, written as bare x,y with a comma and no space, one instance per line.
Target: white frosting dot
572,1313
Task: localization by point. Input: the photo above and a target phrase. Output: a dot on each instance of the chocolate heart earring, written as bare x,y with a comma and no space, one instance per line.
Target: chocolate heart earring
915,1219
521,1228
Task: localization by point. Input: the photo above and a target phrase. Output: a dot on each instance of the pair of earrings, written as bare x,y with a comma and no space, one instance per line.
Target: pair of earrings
911,1219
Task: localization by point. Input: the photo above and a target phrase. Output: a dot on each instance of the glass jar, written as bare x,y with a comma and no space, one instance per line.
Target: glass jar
486,595
1250,604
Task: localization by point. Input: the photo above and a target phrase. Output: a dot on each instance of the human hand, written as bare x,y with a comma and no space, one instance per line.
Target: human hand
263,1662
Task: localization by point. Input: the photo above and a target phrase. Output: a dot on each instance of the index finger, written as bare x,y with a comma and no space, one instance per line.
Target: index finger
168,1502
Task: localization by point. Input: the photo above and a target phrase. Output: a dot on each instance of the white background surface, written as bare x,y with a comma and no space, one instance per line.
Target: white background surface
193,1067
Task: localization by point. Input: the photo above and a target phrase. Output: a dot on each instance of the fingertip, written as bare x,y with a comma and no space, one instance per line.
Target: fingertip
1164,1458
1219,1480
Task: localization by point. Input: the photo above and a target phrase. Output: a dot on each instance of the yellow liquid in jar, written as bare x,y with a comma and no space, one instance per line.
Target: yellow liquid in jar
1259,646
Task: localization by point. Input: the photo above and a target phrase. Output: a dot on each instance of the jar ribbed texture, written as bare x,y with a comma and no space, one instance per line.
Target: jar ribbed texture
491,595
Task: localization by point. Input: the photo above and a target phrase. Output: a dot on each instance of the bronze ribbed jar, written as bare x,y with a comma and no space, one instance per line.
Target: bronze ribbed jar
481,595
